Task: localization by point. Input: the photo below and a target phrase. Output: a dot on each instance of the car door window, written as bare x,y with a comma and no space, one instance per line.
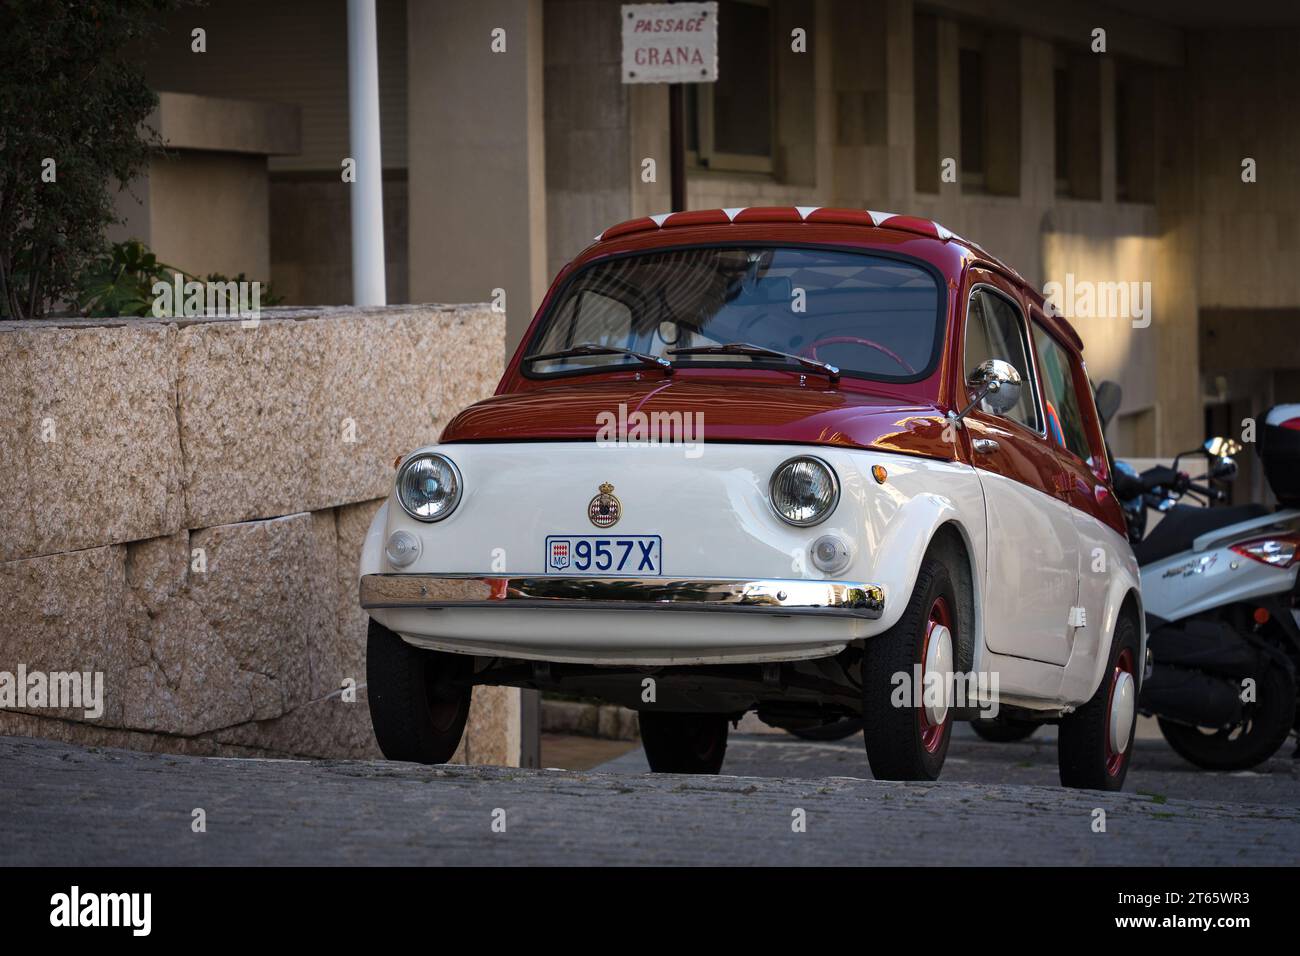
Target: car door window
1064,416
995,330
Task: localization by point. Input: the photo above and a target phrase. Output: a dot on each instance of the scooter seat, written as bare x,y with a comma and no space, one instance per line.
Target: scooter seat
1183,524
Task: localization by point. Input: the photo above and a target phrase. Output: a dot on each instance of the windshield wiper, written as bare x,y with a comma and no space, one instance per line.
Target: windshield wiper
745,348
591,348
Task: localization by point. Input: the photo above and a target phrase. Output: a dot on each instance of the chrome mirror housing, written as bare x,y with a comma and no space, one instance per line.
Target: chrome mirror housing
996,383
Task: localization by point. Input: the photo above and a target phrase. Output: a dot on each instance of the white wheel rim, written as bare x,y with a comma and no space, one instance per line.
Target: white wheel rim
938,661
1122,704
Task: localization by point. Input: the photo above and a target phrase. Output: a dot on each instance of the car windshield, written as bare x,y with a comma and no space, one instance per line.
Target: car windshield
868,315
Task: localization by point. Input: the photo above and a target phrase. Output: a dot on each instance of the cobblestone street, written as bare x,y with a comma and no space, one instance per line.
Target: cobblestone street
997,804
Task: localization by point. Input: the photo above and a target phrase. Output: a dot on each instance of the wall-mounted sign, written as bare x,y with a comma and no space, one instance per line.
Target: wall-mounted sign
670,42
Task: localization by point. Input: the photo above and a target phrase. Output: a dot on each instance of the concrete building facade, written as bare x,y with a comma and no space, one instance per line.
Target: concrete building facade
1143,155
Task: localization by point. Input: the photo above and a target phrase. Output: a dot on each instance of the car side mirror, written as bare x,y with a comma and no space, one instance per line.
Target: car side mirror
995,382
998,384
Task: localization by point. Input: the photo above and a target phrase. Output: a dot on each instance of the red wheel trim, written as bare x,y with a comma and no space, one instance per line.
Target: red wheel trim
932,734
1115,761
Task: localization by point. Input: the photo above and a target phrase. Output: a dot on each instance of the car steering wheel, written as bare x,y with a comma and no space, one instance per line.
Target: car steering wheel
810,350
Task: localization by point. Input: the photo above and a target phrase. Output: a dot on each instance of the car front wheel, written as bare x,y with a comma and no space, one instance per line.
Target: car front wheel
907,739
419,699
684,743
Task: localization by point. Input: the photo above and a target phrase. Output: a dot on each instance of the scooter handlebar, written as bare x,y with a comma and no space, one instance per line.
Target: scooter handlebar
1162,476
1214,494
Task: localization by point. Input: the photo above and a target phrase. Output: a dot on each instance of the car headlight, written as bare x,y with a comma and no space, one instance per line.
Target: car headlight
804,491
428,486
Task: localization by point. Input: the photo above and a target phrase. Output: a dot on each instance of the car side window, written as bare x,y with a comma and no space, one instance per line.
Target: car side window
995,330
1064,416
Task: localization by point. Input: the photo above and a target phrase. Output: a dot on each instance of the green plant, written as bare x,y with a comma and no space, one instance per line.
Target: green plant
266,293
120,281
72,113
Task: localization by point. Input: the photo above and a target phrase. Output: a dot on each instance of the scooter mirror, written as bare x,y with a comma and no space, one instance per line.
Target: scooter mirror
1107,398
1223,468
1220,447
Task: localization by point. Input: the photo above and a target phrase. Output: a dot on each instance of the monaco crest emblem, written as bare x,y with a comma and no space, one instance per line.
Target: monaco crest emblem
604,509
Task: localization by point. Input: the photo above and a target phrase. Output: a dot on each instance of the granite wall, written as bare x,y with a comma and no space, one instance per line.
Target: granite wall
182,506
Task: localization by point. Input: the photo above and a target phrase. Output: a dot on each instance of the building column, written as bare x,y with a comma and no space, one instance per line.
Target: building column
822,42
900,101
1176,305
948,55
647,112
1107,137
367,195
1037,122
477,180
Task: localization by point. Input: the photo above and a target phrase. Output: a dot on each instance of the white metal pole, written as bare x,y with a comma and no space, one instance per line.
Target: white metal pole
363,129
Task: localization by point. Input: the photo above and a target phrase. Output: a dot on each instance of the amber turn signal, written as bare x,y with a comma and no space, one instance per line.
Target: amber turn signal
878,472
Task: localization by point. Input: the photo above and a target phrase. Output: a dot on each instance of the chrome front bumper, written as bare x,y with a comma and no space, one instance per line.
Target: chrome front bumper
433,591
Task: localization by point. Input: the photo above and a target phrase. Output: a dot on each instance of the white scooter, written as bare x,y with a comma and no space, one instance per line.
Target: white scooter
1219,587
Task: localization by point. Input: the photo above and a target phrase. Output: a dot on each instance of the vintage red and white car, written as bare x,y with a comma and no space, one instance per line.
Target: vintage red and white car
815,463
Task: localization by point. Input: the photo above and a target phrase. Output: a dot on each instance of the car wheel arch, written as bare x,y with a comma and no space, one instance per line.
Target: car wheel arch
952,537
1131,607
1083,675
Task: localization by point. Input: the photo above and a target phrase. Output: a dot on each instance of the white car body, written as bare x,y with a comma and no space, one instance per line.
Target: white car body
1033,560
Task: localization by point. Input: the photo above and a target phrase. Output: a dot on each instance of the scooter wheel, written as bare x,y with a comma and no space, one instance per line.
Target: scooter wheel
1268,722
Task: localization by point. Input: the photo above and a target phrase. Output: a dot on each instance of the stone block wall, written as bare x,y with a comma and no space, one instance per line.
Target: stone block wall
182,506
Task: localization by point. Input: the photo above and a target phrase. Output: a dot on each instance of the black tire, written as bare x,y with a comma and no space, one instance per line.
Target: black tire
900,743
1269,721
419,700
1083,754
1003,730
684,743
834,730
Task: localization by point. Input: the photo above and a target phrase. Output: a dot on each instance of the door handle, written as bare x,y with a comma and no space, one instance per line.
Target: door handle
985,446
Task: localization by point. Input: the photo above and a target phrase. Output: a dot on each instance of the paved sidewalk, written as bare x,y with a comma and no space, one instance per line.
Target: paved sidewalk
61,804
1156,769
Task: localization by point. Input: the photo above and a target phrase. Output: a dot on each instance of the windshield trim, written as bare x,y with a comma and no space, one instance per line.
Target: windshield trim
940,332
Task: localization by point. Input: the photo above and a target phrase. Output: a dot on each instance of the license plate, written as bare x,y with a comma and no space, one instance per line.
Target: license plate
632,554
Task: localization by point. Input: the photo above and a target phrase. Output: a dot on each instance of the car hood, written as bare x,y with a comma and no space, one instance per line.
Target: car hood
722,411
